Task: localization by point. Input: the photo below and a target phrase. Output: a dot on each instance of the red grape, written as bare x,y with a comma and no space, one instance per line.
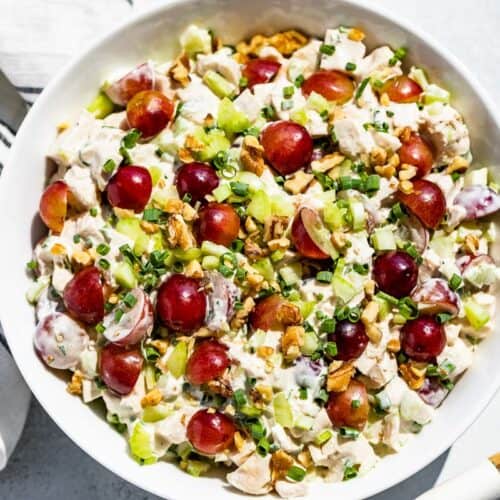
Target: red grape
208,362
54,206
416,151
149,111
342,411
196,180
435,296
423,339
395,273
210,432
402,89
302,241
351,339
270,313
137,80
260,71
84,297
478,201
130,188
426,201
332,85
287,146
218,222
181,304
120,368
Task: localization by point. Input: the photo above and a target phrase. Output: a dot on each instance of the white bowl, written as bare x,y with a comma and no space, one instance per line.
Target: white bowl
154,34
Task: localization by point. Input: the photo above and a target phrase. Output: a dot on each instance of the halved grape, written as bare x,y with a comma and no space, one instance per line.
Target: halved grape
301,237
402,89
270,313
207,362
478,201
351,339
135,81
260,71
196,180
130,188
210,432
435,296
423,339
332,85
120,368
342,411
417,152
54,206
395,273
218,222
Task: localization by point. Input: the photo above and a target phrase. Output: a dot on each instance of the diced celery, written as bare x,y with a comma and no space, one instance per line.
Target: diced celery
209,262
131,227
184,450
333,216
281,206
156,413
476,314
253,181
476,177
36,289
434,93
318,232
157,240
384,308
156,174
124,275
230,119
292,273
383,239
197,467
323,437
187,255
483,274
214,140
101,106
304,422
210,248
299,115
357,210
418,74
260,206
443,245
222,192
318,103
140,442
306,307
310,344
150,377
343,289
265,268
257,339
282,410
196,40
177,360
218,84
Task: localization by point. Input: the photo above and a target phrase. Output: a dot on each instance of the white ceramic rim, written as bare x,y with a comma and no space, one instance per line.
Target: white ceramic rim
427,455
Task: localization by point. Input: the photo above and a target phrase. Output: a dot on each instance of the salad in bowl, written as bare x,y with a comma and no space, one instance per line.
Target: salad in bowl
270,258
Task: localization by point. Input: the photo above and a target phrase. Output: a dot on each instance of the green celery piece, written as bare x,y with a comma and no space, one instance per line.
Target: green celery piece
177,360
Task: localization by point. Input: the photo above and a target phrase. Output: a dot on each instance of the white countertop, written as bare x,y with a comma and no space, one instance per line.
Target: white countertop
46,463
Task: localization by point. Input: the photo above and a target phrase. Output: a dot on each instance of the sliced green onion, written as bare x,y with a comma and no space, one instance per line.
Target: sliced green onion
93,211
288,91
399,54
327,326
239,188
109,166
326,49
372,183
263,446
129,300
303,393
299,81
331,349
100,328
349,432
350,66
361,88
104,264
455,282
355,403
239,398
388,298
361,268
444,317
102,249
152,214
118,315
324,276
296,473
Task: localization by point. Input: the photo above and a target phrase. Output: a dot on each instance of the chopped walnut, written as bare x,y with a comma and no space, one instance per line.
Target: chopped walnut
250,225
193,269
179,71
339,239
241,315
288,314
58,249
327,162
61,127
265,392
75,386
123,213
264,351
373,333
406,187
471,244
407,172
148,227
280,464
378,156
239,441
339,376
458,164
179,234
414,374
278,244
185,156
384,99
152,398
386,171
160,345
253,251
274,227
369,287
113,298
403,133
394,345
356,35
252,155
370,313
194,144
298,182
291,341
222,387
285,42
255,281
82,258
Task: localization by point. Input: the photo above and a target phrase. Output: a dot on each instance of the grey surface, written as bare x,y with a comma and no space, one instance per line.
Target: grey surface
47,465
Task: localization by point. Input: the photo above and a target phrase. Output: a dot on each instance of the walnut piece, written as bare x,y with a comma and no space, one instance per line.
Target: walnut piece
241,315
339,376
152,398
253,251
179,234
179,71
298,182
280,464
414,374
291,342
252,155
288,314
75,386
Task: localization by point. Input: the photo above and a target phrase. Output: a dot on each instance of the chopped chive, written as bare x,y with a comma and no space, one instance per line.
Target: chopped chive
99,328
443,317
241,274
327,326
77,238
187,198
130,140
349,432
378,84
388,298
226,271
93,211
268,112
263,446
322,396
361,268
151,214
296,473
455,282
32,265
102,249
331,349
355,403
354,314
239,398
350,471
118,315
397,212
345,183
104,264
109,166
239,188
350,66
324,276
129,300
372,183
326,49
288,91
389,113
257,430
361,88
303,393
299,81
407,308
399,54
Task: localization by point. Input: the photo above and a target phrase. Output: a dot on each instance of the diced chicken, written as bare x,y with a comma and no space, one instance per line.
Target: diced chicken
404,115
413,409
447,130
269,52
253,476
81,185
458,355
359,452
360,250
239,456
386,141
252,365
346,51
170,386
284,441
384,371
90,391
304,61
395,390
391,436
198,101
282,105
222,62
352,136
315,125
44,256
376,65
173,428
129,406
248,104
263,92
60,278
286,489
